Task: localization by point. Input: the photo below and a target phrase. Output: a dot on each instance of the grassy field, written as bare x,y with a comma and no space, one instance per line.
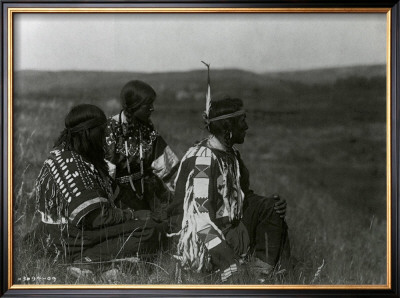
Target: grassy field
317,138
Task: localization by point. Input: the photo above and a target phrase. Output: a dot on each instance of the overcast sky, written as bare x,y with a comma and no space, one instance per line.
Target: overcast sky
177,42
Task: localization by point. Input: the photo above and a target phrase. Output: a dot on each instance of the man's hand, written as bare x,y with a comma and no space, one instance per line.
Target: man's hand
280,205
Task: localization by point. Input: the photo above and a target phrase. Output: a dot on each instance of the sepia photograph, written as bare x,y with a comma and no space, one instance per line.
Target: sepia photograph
200,149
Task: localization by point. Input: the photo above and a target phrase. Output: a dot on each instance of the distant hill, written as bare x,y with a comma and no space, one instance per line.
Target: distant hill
347,93
330,75
32,81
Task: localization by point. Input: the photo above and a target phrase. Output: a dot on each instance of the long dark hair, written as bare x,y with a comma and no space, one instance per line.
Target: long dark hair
135,93
88,142
221,106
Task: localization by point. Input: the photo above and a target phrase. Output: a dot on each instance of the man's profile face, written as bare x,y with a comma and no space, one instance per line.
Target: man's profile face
239,130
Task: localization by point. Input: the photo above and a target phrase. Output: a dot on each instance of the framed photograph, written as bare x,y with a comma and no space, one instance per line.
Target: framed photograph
314,92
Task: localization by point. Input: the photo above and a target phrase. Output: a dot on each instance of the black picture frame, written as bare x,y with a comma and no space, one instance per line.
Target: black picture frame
393,5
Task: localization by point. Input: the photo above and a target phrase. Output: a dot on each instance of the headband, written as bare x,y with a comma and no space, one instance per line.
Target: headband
136,105
226,116
91,123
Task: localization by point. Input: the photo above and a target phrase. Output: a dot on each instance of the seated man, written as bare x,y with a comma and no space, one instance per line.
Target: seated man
77,198
222,219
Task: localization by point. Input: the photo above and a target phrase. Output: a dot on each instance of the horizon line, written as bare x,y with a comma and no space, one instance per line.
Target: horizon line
199,69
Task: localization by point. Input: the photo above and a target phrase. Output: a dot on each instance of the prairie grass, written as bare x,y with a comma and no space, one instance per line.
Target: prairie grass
310,144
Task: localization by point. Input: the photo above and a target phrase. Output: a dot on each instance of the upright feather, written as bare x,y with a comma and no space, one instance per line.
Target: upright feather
208,96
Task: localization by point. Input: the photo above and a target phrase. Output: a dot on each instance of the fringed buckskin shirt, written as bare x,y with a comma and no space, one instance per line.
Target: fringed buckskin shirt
211,186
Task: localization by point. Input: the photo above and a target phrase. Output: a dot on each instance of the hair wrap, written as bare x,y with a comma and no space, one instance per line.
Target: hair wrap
136,93
133,106
226,116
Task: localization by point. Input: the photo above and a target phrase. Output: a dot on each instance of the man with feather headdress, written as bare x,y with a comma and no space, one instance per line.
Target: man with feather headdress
223,221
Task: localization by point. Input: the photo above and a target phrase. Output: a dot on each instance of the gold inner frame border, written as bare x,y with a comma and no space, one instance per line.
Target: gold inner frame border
66,10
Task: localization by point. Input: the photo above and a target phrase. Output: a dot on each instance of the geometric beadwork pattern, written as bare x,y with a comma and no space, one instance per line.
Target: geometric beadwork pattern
200,204
209,236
